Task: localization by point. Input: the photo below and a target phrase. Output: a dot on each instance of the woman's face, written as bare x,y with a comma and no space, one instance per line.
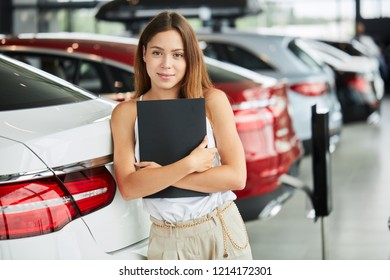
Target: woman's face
165,60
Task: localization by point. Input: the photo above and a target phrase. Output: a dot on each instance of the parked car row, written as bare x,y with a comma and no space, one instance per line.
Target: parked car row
283,57
104,66
349,85
60,188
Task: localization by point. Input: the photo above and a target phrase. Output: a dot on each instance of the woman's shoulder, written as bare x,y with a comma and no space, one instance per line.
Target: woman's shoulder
125,109
218,105
216,97
213,92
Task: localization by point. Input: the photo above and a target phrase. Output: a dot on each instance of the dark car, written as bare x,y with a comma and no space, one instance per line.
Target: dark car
104,66
355,48
360,87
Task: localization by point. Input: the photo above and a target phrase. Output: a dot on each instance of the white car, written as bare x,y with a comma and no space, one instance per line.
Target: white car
283,57
58,196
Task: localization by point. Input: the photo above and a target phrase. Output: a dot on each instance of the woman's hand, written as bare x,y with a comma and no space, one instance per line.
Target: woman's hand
202,158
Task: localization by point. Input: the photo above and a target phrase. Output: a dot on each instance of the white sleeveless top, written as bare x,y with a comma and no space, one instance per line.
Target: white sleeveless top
184,208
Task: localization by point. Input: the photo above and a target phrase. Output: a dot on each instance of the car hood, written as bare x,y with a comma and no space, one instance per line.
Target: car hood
57,134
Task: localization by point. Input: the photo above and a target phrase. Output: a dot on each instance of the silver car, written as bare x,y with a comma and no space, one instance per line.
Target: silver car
58,196
310,81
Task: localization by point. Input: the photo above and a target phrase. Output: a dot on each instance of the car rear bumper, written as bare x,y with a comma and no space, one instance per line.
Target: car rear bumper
73,242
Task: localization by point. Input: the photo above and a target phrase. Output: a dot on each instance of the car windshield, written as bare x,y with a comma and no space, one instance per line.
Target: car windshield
22,88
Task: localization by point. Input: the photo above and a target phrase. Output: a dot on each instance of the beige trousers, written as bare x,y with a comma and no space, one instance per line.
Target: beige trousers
219,235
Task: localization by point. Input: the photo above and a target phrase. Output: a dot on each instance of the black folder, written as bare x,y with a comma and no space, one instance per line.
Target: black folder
169,130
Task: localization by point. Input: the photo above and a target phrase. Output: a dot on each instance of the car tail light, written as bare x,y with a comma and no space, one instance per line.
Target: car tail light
254,123
364,88
279,106
360,84
286,142
42,206
91,189
310,89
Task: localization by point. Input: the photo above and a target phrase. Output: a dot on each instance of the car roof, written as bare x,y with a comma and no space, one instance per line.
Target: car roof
88,43
272,48
244,33
102,46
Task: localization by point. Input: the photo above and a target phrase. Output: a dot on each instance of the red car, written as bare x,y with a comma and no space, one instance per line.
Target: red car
104,66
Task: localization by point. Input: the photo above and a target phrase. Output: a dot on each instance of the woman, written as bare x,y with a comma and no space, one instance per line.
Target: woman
169,65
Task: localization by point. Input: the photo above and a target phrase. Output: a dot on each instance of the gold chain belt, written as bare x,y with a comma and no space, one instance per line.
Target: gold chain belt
226,234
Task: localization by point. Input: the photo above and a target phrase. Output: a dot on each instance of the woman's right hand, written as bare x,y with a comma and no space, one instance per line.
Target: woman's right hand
202,158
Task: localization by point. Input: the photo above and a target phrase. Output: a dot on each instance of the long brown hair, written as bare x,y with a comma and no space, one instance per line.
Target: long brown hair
196,80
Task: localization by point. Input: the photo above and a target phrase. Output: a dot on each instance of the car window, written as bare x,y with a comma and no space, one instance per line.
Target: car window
219,75
102,78
353,48
350,49
211,50
123,79
91,77
296,47
95,77
22,88
236,55
64,68
88,75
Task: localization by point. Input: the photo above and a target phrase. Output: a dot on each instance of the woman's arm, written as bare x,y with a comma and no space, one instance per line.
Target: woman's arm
147,177
231,175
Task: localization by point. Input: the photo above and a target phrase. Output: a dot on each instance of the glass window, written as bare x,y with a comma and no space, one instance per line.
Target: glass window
23,88
210,50
94,77
63,68
236,55
91,77
245,59
296,47
374,8
123,79
220,75
101,78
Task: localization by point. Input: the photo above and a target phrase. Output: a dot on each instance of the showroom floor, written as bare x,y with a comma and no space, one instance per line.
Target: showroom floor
356,229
